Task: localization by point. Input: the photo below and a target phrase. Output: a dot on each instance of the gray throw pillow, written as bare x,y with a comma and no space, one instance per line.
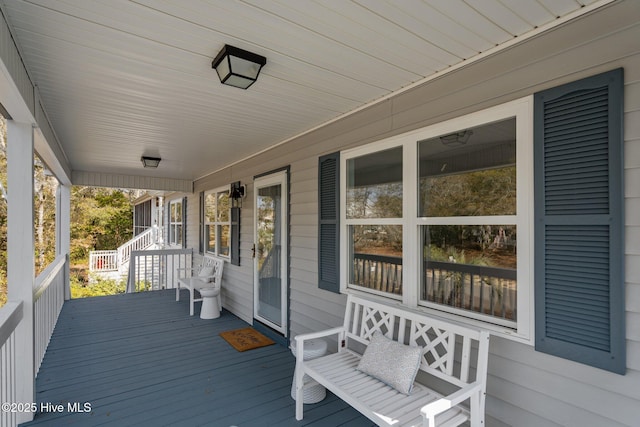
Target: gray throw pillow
391,362
205,272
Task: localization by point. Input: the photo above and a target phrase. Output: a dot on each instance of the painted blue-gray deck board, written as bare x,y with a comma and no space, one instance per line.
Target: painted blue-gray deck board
140,359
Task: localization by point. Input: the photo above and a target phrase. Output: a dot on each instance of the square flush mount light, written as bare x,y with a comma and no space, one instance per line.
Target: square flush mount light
150,162
456,139
237,67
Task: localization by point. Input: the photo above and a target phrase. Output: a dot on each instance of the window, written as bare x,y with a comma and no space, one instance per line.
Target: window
142,217
175,222
468,215
217,222
439,219
374,221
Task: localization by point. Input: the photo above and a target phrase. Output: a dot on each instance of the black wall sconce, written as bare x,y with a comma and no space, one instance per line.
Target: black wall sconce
237,192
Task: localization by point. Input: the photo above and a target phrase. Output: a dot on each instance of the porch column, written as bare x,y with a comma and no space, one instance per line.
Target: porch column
63,231
20,253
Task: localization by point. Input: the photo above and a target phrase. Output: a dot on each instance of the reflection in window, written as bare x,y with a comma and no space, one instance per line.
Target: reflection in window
374,185
476,177
217,226
175,223
374,192
470,266
377,257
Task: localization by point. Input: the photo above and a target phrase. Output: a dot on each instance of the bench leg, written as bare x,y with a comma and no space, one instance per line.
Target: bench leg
429,421
191,301
299,394
477,416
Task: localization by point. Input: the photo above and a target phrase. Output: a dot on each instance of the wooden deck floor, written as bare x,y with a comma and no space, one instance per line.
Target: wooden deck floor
140,359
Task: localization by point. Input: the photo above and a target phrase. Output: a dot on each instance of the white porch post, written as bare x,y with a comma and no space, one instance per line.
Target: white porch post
20,253
63,231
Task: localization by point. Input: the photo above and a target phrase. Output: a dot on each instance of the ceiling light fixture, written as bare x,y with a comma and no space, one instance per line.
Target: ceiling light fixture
237,67
150,162
456,139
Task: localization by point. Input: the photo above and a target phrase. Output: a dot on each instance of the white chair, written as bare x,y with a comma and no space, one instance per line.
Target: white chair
207,280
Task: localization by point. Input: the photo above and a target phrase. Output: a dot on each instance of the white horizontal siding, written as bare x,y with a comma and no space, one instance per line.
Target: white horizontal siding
306,314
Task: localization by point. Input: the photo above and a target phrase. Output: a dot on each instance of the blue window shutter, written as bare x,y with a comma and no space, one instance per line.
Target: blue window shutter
201,229
184,222
579,224
235,236
329,222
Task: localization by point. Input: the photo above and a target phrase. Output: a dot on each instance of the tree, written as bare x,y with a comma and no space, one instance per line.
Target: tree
101,219
45,188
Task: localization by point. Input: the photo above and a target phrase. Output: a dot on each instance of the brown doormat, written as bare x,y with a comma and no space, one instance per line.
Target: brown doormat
246,339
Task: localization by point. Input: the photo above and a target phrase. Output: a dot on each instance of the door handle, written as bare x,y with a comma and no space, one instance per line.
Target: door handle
253,251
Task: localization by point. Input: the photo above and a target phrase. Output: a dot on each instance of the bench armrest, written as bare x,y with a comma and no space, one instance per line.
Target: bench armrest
313,335
194,270
430,410
191,269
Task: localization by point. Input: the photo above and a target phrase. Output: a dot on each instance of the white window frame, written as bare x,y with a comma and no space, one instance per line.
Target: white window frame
216,224
521,330
173,236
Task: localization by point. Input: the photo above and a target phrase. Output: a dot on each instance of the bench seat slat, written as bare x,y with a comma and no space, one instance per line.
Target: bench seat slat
376,400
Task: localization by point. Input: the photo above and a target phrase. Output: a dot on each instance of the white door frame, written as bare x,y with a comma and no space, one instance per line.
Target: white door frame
276,178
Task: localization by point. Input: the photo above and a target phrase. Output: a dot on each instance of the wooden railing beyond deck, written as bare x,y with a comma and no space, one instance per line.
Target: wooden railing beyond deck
481,289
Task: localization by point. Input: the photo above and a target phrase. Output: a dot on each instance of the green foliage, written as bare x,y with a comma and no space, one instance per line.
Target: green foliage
478,193
101,219
3,288
452,254
98,287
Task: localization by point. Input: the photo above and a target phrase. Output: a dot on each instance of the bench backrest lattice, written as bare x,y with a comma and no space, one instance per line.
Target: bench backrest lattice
450,351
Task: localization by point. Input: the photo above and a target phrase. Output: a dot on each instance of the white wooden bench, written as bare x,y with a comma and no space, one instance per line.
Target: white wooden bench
454,356
206,275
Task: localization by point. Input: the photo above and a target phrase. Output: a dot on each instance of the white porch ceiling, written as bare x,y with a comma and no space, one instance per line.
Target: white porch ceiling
121,79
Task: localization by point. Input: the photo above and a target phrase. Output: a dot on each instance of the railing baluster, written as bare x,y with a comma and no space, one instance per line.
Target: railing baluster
472,291
480,309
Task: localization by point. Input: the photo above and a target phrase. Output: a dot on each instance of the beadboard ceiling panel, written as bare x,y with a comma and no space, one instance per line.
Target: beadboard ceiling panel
121,79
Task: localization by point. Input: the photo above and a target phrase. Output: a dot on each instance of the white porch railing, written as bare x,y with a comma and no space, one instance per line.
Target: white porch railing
156,269
103,261
48,298
138,243
10,317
